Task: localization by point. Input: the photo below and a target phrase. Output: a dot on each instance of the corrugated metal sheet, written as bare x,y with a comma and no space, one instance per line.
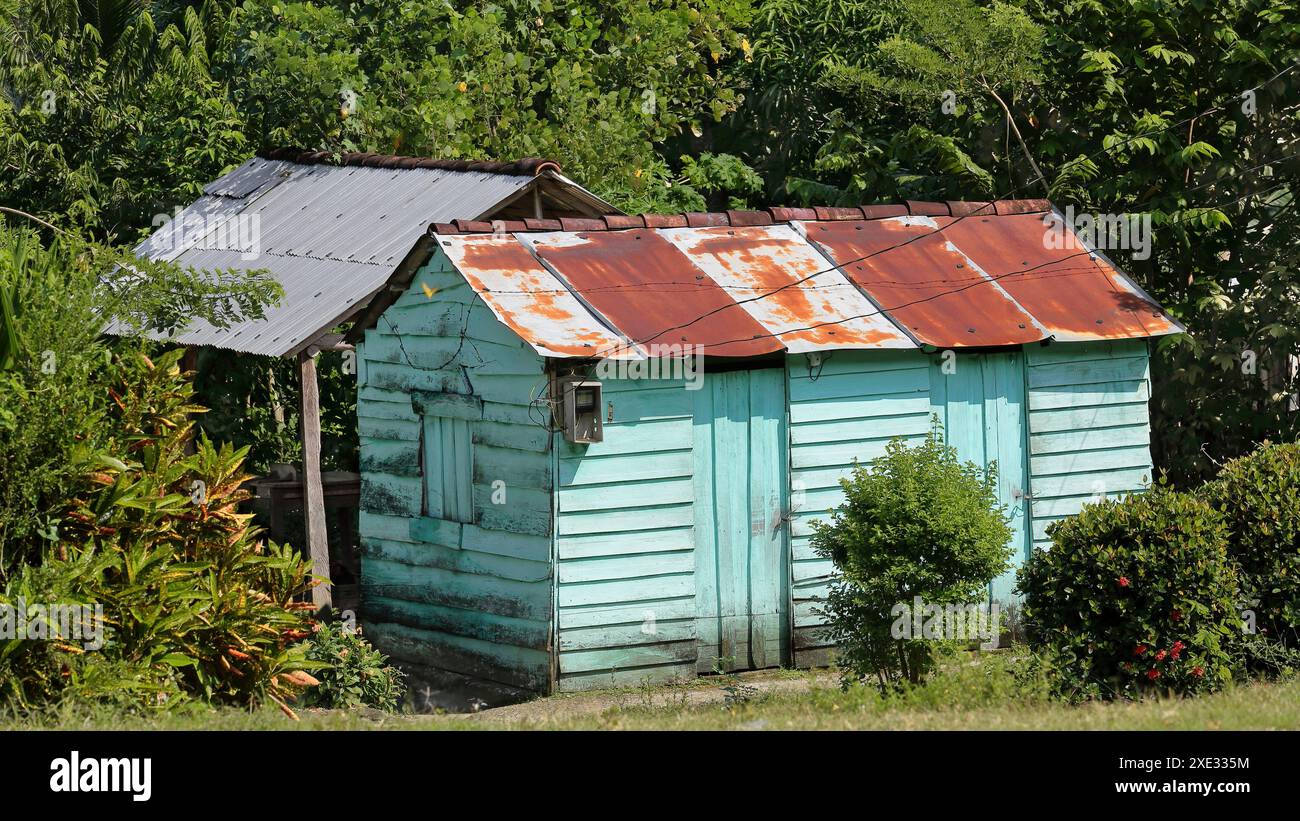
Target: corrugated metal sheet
1076,296
948,275
651,291
525,296
330,234
785,285
926,284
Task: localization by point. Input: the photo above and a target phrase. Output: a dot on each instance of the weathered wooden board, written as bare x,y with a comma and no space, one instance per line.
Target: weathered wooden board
625,541
456,521
1089,434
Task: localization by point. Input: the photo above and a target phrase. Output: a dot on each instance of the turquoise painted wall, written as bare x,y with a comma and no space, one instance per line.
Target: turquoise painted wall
625,542
1067,423
1089,431
979,398
458,603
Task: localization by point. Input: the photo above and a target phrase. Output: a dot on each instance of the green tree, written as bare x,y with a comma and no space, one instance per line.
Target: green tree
104,130
953,52
1183,111
54,302
599,87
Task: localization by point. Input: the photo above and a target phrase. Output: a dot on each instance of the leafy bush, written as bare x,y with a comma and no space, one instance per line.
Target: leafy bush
54,367
193,605
918,523
1259,496
1135,595
353,673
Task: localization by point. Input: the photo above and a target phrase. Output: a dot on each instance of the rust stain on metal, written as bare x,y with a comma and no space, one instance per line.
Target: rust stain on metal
926,285
1076,295
528,299
787,287
650,290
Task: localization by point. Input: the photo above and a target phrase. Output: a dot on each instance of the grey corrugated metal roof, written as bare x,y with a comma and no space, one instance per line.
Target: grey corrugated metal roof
330,235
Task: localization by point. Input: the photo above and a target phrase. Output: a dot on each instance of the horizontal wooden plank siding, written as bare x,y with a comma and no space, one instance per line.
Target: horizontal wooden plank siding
625,546
456,573
844,411
1089,432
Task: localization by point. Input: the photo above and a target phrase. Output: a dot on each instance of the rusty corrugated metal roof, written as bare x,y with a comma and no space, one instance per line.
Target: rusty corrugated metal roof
748,283
1075,296
927,284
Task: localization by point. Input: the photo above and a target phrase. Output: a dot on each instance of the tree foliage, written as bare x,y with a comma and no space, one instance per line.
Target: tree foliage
54,302
114,112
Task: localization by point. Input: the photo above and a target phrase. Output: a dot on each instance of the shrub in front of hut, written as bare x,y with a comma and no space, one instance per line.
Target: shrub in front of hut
1259,496
1135,596
918,525
353,673
193,606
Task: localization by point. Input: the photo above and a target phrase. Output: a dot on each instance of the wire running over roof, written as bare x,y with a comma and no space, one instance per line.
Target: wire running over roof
947,275
332,230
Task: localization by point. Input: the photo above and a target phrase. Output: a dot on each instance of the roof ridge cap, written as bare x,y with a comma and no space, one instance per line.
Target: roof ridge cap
523,167
772,215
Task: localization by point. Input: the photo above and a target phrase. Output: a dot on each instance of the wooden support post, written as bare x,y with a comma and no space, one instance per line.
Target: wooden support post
313,493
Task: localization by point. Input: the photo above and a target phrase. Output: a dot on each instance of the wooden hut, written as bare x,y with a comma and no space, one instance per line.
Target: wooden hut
591,449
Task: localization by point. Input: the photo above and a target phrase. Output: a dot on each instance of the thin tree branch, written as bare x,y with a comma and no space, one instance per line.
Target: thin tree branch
16,212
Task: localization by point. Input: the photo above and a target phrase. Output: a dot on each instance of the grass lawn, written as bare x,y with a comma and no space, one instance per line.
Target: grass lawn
980,694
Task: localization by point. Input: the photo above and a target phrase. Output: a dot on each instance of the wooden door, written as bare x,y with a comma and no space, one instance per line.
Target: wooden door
980,399
742,549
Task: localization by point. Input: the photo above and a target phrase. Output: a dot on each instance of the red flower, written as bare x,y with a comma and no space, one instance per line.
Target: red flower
1123,581
1140,649
1176,615
1198,671
1177,650
1160,655
1153,674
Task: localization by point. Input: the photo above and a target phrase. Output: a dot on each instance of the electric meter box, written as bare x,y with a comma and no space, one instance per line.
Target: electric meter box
580,404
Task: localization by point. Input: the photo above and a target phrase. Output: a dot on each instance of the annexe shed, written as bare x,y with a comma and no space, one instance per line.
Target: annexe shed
592,449
336,231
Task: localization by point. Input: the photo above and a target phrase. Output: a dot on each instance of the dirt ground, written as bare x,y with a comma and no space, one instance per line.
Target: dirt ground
695,692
